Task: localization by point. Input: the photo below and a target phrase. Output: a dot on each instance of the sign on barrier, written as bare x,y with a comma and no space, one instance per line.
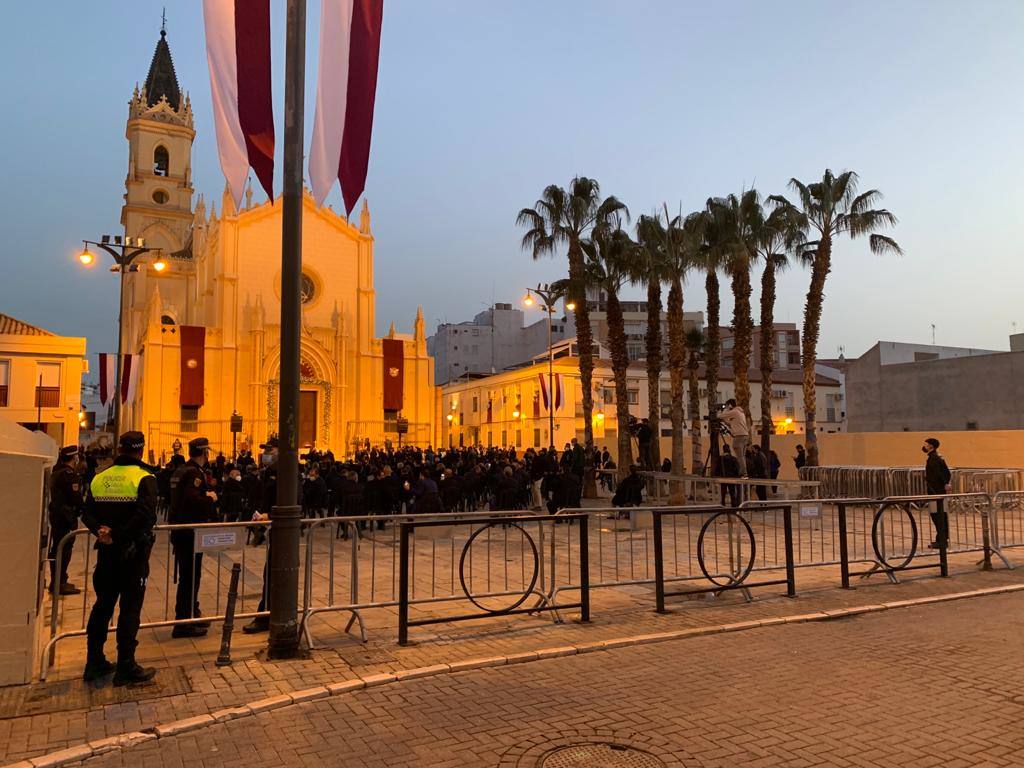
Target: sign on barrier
216,539
810,510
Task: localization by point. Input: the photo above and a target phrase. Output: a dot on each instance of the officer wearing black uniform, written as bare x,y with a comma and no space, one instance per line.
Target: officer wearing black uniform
121,512
66,495
191,503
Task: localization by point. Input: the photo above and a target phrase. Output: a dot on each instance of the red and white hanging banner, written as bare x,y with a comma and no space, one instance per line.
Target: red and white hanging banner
346,91
130,369
238,54
107,371
130,365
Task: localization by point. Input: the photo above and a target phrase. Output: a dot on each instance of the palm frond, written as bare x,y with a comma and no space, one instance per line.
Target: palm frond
883,245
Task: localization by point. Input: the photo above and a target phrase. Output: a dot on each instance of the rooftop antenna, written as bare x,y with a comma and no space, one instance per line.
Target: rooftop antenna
933,334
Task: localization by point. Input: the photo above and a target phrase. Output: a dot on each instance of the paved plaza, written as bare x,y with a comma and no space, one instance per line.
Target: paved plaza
620,612
935,685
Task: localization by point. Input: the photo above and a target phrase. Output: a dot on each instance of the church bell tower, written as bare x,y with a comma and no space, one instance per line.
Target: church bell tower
158,189
158,195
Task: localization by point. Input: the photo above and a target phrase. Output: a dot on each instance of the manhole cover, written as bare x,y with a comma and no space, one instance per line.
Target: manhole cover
599,756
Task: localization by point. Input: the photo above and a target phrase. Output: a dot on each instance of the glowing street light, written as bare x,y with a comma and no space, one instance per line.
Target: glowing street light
159,265
124,252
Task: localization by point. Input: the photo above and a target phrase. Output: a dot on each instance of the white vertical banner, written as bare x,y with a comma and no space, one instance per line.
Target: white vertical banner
331,96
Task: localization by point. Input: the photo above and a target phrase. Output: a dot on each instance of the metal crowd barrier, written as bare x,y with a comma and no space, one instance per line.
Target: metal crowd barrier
734,530
453,557
211,539
660,486
482,529
882,482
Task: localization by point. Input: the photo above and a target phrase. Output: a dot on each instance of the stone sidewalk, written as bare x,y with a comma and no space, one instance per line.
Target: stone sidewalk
619,612
922,687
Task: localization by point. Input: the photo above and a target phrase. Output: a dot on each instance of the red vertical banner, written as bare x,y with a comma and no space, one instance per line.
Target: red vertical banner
394,373
193,352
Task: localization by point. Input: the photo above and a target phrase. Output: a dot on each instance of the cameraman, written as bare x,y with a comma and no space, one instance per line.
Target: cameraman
735,420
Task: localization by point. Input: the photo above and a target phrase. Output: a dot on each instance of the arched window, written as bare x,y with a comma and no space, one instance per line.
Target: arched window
167,320
161,161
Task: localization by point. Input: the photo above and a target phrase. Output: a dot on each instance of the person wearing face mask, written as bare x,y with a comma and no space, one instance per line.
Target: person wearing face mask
937,481
191,503
233,496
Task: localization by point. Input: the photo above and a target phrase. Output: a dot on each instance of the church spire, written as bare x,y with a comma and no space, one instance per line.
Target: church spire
161,80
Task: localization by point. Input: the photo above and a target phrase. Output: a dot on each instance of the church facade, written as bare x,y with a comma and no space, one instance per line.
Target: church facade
202,312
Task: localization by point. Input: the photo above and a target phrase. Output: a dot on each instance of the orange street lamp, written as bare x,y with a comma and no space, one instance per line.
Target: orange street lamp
159,265
124,251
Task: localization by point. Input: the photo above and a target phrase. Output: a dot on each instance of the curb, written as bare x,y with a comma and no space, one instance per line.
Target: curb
81,752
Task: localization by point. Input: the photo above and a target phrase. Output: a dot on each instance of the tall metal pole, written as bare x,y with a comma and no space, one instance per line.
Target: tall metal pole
551,379
284,531
120,339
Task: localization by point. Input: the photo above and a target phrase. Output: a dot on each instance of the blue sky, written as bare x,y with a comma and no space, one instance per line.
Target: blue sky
482,104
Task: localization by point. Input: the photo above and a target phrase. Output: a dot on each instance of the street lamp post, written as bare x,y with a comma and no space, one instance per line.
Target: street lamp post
549,297
124,252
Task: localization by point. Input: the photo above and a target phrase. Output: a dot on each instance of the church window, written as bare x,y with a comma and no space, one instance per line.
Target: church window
167,320
161,161
160,197
308,288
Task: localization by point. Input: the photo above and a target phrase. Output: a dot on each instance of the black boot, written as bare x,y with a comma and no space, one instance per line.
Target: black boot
130,673
198,615
97,668
188,630
259,624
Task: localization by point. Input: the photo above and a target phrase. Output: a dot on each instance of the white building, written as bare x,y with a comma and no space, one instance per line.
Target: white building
494,340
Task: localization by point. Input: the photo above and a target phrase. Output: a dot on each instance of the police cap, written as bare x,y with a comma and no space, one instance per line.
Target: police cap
131,442
198,445
68,452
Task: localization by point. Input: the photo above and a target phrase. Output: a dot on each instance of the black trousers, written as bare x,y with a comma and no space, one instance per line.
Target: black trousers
117,578
941,528
189,566
59,528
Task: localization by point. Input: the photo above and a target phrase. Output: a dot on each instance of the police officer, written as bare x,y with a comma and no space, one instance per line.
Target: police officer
191,503
65,507
121,512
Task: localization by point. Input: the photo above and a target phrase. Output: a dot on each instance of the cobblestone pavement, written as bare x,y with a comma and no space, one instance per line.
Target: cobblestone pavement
933,685
617,613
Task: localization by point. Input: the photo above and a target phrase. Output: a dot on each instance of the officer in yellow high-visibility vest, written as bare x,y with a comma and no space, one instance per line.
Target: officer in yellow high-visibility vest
121,512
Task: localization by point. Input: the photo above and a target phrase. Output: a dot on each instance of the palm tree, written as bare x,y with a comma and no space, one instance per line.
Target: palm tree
773,264
709,260
609,261
680,249
829,209
730,235
694,346
650,269
562,217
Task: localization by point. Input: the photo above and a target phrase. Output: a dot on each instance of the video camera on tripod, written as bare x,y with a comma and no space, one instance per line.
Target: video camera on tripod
715,425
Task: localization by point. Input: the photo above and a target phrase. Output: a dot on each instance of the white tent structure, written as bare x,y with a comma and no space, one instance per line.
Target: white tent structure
25,461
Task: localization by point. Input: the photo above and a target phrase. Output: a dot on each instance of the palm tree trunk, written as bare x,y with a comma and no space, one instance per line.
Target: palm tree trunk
694,366
812,327
620,364
676,364
653,351
743,330
713,350
767,351
585,342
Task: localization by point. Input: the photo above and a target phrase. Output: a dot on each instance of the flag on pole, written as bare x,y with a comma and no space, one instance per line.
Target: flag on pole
238,54
346,90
